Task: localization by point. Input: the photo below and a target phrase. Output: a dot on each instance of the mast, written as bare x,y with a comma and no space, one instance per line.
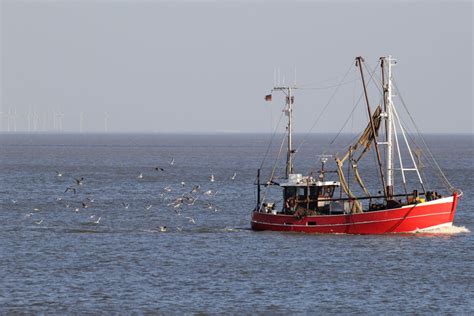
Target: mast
289,112
388,126
359,61
289,159
387,89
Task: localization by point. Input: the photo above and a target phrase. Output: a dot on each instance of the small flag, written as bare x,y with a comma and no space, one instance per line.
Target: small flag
268,97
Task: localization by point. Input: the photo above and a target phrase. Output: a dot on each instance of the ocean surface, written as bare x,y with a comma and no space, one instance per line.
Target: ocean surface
110,255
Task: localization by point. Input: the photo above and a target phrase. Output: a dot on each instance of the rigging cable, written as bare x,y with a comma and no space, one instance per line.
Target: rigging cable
274,169
271,140
447,182
325,107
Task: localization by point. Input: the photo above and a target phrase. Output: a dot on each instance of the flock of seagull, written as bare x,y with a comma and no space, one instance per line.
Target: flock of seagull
177,203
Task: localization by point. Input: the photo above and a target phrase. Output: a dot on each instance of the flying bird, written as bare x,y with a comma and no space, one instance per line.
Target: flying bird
79,181
172,162
191,220
125,205
233,177
59,174
70,189
140,176
211,178
163,228
210,193
39,222
97,221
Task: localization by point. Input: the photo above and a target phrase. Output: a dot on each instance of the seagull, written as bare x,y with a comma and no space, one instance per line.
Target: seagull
59,173
147,207
126,205
36,209
97,221
59,198
233,177
14,201
39,222
179,228
84,205
191,220
76,209
190,200
140,176
210,193
172,162
209,205
195,189
79,181
163,228
91,200
211,178
183,183
159,169
29,214
167,189
70,189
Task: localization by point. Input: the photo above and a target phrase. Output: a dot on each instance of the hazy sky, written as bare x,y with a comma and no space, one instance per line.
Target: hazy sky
191,66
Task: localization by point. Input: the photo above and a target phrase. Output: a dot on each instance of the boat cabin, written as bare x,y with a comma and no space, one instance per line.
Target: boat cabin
308,194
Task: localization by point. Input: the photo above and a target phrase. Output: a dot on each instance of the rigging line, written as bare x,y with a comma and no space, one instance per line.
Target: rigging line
271,140
329,87
274,168
369,70
352,112
450,186
326,148
324,109
410,135
320,82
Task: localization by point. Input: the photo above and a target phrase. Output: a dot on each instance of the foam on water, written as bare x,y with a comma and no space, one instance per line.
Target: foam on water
445,230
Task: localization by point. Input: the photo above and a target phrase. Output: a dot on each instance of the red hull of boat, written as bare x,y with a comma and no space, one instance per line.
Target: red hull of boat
406,219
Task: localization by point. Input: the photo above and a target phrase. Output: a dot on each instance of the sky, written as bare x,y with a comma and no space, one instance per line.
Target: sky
205,66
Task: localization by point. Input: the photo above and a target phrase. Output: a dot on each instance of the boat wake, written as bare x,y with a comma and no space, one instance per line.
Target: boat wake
445,230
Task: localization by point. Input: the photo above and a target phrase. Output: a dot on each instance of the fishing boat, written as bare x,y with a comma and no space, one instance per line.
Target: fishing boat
315,203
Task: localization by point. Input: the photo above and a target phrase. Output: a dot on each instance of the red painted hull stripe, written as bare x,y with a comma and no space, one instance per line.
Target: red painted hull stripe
352,223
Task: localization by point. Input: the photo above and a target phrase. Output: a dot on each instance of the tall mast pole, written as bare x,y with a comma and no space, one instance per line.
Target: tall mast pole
359,61
289,111
289,159
389,124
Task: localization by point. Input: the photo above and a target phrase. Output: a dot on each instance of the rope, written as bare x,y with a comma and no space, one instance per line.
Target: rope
447,183
274,168
271,140
330,87
325,107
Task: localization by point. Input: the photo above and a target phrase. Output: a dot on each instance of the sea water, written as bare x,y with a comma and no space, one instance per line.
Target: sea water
56,256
